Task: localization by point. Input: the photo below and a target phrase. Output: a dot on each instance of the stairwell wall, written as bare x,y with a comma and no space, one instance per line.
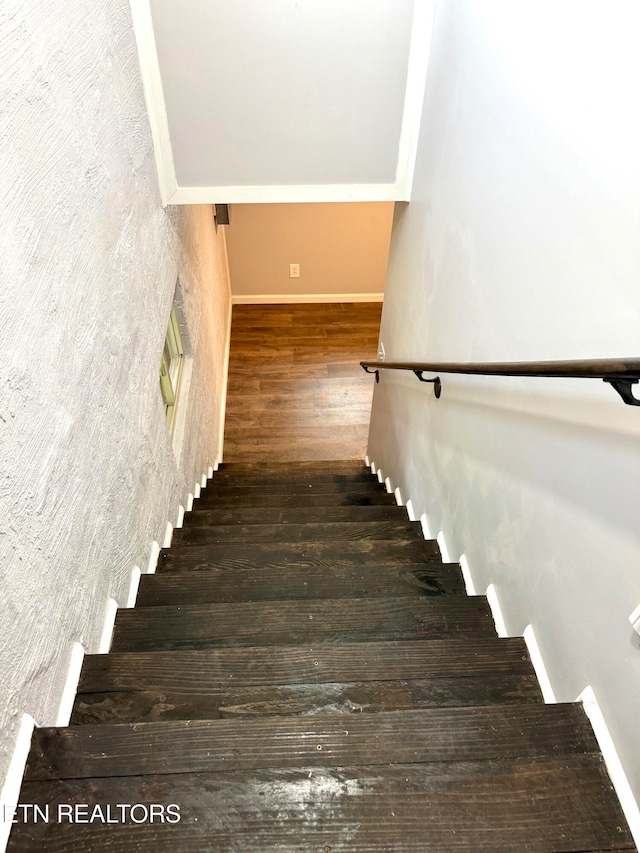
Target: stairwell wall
89,267
521,243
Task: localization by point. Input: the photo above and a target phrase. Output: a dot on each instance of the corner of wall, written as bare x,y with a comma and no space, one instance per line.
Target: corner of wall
418,66
154,98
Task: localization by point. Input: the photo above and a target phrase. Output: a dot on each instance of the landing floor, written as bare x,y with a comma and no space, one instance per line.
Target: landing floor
296,390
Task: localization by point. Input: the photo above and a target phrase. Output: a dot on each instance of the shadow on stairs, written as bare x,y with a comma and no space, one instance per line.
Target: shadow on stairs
303,673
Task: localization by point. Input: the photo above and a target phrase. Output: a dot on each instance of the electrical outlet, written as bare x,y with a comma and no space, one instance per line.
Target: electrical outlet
380,351
294,270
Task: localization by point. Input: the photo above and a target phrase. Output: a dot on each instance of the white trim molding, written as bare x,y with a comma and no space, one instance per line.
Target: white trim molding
154,98
444,550
225,375
496,611
153,557
285,194
10,796
539,666
467,577
612,760
133,587
283,298
71,685
426,527
108,625
418,66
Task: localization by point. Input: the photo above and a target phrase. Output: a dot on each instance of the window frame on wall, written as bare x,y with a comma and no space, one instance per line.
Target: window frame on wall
176,372
171,368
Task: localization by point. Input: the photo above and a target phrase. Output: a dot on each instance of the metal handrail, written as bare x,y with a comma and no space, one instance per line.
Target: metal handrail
620,373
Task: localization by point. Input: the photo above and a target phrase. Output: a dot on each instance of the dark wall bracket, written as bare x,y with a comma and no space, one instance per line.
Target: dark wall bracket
437,384
624,388
376,373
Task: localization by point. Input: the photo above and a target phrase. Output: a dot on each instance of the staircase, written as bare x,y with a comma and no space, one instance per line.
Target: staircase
303,673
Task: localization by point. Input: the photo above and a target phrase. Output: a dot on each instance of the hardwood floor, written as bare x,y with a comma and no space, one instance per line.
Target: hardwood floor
296,391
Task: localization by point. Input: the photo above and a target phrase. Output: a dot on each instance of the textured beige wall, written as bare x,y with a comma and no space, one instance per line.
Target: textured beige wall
341,248
88,477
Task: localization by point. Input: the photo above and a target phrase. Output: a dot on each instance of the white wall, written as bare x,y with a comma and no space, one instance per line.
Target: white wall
522,242
284,92
89,264
342,250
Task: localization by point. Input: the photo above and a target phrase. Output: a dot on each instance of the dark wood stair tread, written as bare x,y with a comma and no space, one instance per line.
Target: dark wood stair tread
259,555
288,582
305,476
215,491
393,737
295,500
542,804
308,532
345,698
324,662
293,515
332,466
215,585
200,626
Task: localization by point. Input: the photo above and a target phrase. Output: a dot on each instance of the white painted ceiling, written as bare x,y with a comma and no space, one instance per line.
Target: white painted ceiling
283,92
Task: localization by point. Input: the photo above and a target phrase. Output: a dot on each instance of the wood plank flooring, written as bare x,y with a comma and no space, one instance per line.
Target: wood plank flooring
296,390
334,691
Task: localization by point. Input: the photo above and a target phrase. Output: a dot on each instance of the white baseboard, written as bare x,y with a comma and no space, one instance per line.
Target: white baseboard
424,524
467,577
225,381
387,485
612,760
538,664
442,544
189,502
196,490
133,587
71,685
180,518
283,298
107,627
153,558
10,795
398,496
496,611
410,510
